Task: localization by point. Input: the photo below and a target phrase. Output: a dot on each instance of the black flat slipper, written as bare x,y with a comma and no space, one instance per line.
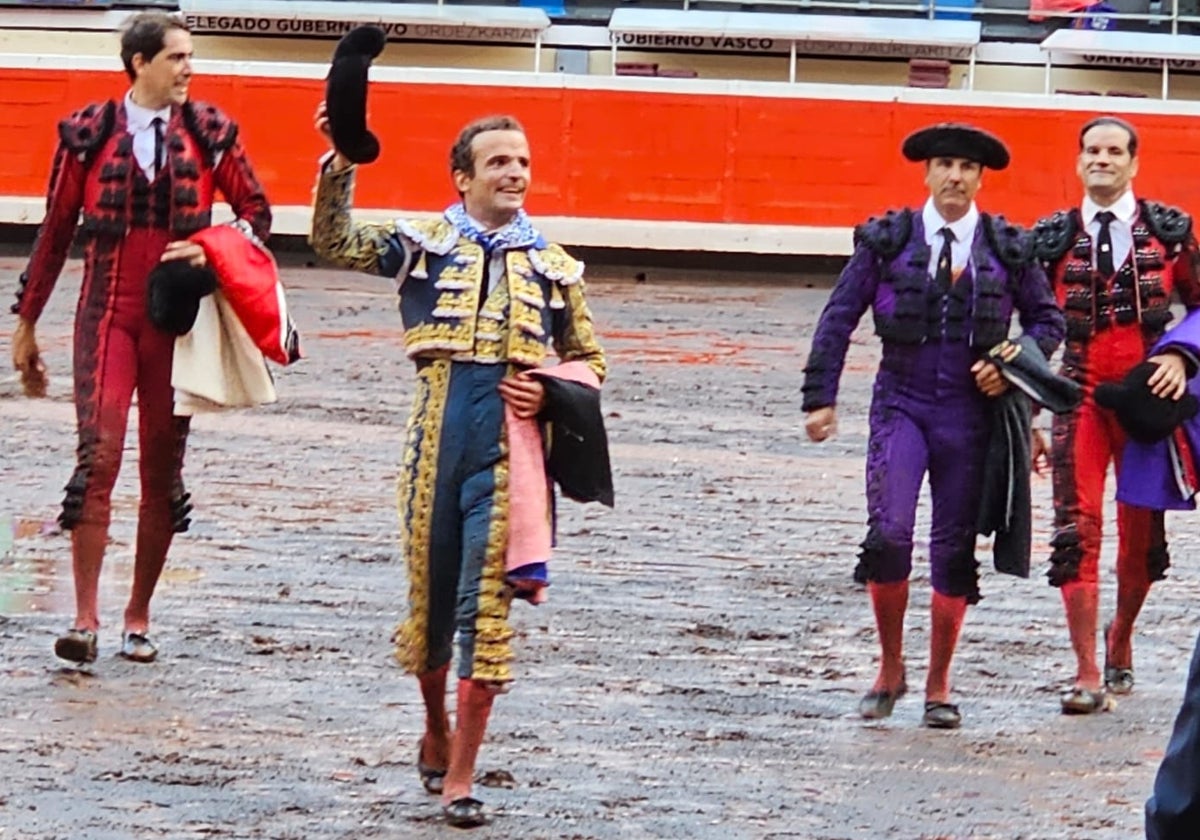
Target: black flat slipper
876,705
77,646
941,716
1082,701
464,812
432,778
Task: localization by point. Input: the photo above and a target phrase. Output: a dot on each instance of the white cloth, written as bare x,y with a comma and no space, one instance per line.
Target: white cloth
139,122
964,236
1120,229
217,365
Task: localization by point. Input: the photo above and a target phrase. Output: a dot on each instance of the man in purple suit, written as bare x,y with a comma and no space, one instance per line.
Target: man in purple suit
943,283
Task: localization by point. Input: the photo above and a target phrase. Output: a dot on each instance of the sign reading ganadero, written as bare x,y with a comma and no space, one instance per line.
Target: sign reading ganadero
237,25
1140,62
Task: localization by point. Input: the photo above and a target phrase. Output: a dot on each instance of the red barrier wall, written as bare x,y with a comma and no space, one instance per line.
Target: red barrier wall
625,154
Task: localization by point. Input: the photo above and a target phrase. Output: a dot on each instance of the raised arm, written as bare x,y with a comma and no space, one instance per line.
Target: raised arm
370,247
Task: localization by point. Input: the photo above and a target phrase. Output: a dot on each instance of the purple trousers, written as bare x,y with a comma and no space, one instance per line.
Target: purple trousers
927,416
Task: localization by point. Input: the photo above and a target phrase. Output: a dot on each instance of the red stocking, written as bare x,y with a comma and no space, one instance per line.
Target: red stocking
946,621
88,542
1082,603
435,744
474,707
890,601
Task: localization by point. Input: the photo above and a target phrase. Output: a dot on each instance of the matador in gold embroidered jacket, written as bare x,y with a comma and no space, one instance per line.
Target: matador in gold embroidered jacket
476,306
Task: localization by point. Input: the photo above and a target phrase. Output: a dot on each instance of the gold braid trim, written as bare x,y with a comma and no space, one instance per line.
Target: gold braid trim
492,630
414,499
492,327
577,341
424,337
526,344
456,307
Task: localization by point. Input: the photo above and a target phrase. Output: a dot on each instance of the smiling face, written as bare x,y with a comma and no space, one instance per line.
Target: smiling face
1106,165
952,183
163,79
494,191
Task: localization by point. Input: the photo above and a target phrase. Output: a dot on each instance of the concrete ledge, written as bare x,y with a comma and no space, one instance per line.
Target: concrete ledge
626,234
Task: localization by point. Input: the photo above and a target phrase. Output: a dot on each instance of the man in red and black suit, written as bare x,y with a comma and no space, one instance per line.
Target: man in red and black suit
143,171
1115,263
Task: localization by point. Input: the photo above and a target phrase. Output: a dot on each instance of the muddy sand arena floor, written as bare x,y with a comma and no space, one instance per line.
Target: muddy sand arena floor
694,674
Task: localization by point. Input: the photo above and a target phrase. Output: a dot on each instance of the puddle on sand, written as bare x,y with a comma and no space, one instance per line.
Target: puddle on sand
34,585
38,580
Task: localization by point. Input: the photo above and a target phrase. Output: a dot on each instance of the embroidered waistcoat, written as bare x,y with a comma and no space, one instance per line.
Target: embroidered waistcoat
440,303
1139,292
114,201
977,308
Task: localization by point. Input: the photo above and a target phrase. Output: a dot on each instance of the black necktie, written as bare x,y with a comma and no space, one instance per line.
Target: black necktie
157,124
942,276
1104,249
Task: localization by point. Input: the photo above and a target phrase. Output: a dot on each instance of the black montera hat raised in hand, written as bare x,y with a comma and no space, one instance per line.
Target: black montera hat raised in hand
346,93
1145,417
956,140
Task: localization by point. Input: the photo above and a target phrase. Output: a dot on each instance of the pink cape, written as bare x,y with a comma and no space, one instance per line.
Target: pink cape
529,528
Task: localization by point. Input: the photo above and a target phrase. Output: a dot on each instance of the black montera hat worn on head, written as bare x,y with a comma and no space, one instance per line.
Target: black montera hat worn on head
173,294
346,93
956,140
1145,417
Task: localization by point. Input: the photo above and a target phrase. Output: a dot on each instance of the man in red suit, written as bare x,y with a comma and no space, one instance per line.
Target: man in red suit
1115,262
143,172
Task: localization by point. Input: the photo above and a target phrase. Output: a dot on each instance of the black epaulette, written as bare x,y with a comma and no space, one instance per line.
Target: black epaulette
1053,235
1168,225
1011,243
86,130
885,235
212,127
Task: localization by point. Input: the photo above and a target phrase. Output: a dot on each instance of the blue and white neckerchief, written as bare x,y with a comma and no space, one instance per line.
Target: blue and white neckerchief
519,233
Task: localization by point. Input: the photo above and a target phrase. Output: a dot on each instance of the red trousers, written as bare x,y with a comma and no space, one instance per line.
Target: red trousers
117,354
1085,442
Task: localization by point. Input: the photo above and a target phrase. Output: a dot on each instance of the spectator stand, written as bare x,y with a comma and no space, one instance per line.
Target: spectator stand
474,22
958,37
1116,44
1027,21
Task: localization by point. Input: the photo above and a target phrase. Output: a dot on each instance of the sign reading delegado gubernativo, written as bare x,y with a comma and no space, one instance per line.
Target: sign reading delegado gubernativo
250,25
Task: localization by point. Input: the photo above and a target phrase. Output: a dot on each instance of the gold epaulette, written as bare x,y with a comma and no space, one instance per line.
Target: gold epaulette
553,263
436,236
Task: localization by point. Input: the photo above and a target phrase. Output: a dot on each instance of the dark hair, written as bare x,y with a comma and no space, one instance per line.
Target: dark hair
146,33
462,158
1111,120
